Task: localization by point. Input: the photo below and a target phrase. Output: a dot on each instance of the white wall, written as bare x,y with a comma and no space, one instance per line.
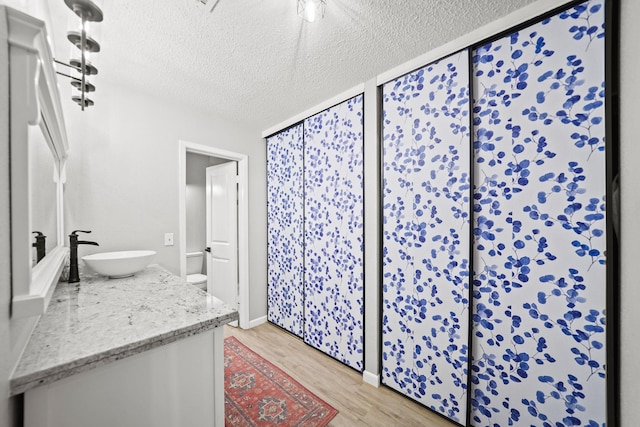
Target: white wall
122,175
630,206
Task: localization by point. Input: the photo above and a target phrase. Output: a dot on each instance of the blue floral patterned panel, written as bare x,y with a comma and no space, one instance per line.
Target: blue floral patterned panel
426,235
334,239
285,250
539,291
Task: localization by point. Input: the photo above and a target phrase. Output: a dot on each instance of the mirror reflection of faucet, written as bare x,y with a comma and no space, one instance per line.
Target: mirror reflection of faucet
73,249
40,244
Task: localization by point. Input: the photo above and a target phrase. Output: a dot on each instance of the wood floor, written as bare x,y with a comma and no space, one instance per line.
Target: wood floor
359,404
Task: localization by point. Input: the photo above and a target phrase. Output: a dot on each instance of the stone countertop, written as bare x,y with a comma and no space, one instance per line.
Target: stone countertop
100,320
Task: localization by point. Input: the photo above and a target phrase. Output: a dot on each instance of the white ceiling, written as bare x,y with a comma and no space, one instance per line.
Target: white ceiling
256,61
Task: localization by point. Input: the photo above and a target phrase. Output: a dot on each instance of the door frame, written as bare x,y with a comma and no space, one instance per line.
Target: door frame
185,147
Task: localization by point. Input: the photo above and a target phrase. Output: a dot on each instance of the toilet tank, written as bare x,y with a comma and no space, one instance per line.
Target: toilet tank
195,263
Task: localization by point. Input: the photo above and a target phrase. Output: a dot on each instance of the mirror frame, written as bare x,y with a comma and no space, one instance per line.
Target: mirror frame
35,100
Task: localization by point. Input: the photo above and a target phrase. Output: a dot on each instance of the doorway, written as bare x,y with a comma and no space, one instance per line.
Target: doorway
221,156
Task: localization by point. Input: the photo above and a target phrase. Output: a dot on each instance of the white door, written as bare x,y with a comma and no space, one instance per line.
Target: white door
222,232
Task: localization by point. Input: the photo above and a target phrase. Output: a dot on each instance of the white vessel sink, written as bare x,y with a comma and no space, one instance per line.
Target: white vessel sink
119,264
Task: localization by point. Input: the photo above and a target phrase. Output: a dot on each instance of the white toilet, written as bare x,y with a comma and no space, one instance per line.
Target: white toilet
195,268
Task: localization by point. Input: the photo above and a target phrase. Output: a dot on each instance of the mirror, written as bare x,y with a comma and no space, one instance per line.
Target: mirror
43,197
38,151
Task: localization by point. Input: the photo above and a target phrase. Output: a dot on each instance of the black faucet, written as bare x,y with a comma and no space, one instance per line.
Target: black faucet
40,244
73,247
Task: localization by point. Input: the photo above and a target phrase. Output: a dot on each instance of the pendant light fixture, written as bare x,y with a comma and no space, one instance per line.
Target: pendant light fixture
87,11
311,10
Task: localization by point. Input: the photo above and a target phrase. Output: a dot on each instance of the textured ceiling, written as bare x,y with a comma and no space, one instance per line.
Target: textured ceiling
256,61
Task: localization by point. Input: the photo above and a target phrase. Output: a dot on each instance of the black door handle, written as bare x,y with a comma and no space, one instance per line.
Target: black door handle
207,249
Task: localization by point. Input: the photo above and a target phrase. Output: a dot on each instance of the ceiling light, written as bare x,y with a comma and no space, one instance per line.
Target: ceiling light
311,10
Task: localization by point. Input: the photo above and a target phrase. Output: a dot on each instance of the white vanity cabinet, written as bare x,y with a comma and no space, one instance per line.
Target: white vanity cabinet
178,384
147,350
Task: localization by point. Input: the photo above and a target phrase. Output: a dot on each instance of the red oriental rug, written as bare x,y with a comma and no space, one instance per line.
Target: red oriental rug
256,393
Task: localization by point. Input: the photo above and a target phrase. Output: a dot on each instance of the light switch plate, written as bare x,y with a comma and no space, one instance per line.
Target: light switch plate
168,239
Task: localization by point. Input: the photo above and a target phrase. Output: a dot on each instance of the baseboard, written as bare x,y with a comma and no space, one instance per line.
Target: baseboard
257,322
371,379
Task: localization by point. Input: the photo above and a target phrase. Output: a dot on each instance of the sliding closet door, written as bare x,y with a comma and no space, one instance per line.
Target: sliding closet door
426,235
285,250
334,240
539,225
